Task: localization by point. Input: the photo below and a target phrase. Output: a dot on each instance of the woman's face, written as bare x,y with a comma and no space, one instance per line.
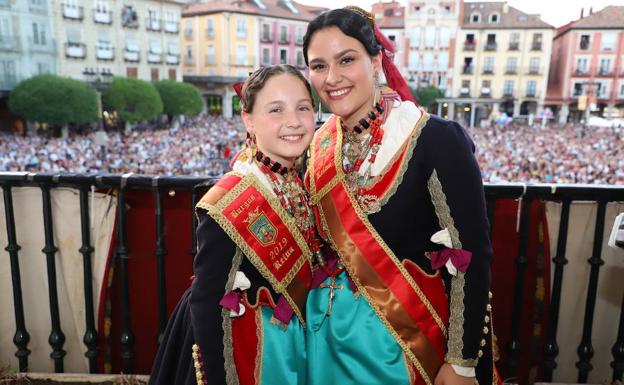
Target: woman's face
282,118
342,72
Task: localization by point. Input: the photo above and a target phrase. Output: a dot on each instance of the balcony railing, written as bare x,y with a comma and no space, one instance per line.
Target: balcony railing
470,45
188,190
132,56
536,47
486,92
467,70
37,46
266,37
491,46
511,71
533,71
284,39
605,72
75,50
514,46
172,26
72,12
173,58
10,43
243,61
104,52
581,72
152,24
154,57
508,93
464,92
488,71
531,94
103,17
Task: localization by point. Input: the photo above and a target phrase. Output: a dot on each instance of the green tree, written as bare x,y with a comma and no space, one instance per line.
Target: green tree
179,98
427,96
54,100
133,99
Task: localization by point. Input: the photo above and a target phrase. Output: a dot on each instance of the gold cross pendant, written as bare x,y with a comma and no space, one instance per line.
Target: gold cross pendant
332,294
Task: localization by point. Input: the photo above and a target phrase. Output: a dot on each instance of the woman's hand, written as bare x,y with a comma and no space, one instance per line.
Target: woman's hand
447,376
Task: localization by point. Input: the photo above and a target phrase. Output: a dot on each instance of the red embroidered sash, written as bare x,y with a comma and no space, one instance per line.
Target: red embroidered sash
412,304
255,220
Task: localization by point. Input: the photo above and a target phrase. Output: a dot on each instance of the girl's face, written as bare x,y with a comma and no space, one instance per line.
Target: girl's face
282,118
342,72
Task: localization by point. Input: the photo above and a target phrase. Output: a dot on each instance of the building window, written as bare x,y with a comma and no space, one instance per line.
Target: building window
531,90
467,68
300,59
154,76
514,41
210,28
607,41
465,88
188,29
283,34
211,57
266,56
266,32
508,88
578,89
512,65
39,36
536,45
430,32
129,17
475,17
581,65
486,88
241,55
490,45
494,18
488,65
132,72
415,37
585,42
534,64
172,74
188,54
605,66
241,28
299,35
622,89
283,56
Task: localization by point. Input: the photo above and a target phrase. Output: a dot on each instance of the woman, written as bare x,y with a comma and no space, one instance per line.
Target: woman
400,199
242,319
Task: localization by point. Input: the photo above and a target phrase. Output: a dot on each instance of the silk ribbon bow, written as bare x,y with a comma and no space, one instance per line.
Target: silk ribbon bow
459,258
232,299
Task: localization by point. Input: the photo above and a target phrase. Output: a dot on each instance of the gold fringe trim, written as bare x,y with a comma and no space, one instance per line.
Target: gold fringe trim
215,211
231,375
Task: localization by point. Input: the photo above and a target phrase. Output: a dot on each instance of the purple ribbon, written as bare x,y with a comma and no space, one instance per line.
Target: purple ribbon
232,301
459,257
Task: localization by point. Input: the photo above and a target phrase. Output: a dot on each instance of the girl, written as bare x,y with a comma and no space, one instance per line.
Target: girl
242,320
400,199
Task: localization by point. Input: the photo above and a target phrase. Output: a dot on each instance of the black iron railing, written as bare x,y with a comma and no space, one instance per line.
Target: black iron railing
565,194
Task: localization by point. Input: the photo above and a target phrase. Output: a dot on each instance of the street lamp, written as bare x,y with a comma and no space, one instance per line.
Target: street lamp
100,79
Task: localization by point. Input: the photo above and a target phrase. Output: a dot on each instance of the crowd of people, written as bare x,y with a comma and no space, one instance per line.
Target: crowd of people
569,153
200,146
203,146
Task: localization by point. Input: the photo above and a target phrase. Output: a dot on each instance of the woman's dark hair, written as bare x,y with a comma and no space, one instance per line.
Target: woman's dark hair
256,81
350,23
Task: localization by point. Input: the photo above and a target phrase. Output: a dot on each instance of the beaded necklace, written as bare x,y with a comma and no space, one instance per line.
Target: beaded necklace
357,148
290,191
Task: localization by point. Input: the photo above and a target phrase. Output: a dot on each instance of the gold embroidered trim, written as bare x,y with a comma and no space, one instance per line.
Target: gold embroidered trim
442,209
413,141
456,322
260,347
215,211
199,373
457,307
315,196
471,363
395,260
231,376
411,373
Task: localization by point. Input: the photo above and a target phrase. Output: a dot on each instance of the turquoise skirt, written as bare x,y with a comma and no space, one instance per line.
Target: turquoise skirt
283,351
350,346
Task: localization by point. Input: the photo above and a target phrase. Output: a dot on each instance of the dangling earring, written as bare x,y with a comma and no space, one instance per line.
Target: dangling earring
375,87
319,113
250,141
